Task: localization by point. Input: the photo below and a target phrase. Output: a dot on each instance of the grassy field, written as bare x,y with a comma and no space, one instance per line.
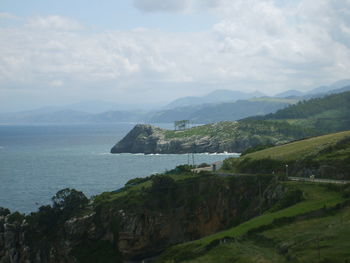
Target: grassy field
323,239
226,129
299,149
316,197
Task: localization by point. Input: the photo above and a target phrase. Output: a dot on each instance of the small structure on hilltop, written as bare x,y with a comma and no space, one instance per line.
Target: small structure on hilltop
181,125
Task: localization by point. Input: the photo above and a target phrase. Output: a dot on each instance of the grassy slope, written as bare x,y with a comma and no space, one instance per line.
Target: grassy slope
108,197
299,149
320,239
316,198
258,132
324,239
226,128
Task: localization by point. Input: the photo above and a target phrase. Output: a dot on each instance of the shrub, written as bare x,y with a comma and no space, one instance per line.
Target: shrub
136,181
15,217
4,211
45,219
257,148
185,168
161,182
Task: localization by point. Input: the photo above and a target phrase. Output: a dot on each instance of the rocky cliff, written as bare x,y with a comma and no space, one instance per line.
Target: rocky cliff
137,222
211,138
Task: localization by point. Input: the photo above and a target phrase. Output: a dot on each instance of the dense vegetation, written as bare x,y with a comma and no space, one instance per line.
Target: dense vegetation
312,107
324,115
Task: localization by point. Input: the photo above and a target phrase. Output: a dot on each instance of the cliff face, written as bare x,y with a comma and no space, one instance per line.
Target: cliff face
211,138
141,224
142,139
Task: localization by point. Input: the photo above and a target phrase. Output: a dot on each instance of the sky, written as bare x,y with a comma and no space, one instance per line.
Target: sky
145,52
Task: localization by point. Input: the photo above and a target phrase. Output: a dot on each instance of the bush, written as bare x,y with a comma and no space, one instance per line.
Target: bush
4,211
15,217
162,182
266,165
230,164
45,219
257,148
185,168
136,181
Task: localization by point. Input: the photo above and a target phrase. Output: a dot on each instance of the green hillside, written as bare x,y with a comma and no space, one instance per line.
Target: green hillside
300,149
327,114
325,156
287,235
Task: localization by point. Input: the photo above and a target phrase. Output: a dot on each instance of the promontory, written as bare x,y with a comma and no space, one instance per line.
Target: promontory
210,138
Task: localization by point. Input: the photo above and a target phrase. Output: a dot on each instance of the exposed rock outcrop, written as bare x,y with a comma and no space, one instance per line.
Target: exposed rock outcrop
142,225
211,138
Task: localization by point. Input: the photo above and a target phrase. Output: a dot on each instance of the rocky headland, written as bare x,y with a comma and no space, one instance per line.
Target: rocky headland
210,138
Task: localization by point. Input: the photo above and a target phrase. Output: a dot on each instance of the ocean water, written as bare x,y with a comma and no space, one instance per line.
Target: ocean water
38,160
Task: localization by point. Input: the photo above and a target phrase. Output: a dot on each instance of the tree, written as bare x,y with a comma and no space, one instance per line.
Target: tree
69,200
162,182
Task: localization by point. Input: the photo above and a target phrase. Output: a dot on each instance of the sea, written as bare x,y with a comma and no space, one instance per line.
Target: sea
38,160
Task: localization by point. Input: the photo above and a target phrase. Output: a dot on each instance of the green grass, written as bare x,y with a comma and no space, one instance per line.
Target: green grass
299,149
320,239
226,129
325,238
108,197
316,197
239,252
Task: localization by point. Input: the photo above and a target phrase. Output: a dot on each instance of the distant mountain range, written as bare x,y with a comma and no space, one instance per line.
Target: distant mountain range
336,87
216,96
228,111
219,105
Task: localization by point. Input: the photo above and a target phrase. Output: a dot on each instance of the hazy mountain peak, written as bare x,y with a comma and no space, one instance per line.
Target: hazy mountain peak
216,96
336,85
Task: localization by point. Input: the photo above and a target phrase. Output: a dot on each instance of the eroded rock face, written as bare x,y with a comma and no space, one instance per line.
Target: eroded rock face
149,139
159,219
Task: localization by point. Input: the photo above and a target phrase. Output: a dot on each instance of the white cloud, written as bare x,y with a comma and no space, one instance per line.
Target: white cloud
53,22
56,83
258,45
7,16
178,6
